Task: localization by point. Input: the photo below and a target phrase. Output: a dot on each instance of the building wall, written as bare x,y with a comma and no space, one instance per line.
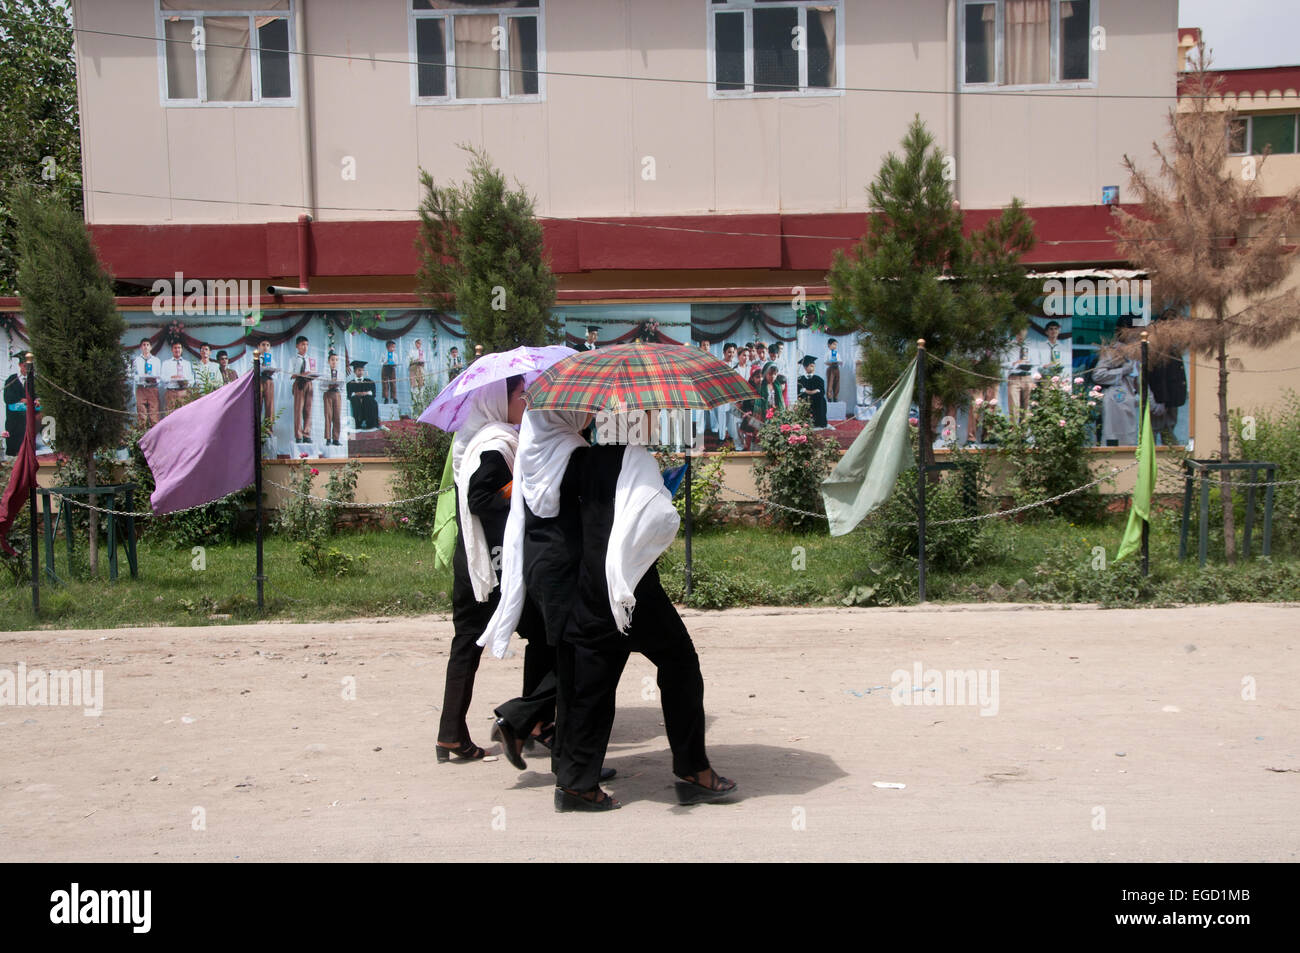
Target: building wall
581,150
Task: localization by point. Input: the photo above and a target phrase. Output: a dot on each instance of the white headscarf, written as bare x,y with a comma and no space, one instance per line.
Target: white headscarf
486,428
487,404
547,439
645,524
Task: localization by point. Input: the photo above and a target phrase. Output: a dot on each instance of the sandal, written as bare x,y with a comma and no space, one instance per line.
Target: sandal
468,751
545,737
593,800
691,791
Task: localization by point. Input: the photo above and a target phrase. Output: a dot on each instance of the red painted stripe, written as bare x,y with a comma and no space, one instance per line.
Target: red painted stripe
1067,234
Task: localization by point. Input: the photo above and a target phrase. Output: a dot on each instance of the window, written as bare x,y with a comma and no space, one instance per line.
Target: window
239,56
775,47
1250,134
471,51
1027,42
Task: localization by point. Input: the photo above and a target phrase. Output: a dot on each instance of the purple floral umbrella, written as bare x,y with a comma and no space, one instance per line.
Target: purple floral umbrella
449,409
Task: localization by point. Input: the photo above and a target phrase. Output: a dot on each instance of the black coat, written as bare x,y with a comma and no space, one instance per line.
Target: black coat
15,420
492,507
591,619
552,547
365,409
817,400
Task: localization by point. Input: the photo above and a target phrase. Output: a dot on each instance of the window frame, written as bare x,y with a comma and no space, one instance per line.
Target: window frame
1249,119
504,15
747,7
1054,55
200,61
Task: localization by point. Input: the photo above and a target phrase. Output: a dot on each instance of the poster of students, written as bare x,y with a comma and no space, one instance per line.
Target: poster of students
307,372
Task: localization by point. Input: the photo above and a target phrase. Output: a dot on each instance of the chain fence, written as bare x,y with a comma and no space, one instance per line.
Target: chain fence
1115,471
63,498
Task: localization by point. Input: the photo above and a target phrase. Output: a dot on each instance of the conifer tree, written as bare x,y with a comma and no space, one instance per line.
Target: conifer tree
39,124
483,257
76,332
1211,246
915,275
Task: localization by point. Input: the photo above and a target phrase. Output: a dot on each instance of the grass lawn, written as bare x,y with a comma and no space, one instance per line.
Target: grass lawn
733,565
399,580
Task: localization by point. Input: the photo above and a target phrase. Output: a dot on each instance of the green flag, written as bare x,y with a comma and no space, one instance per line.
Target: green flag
866,474
445,527
1146,482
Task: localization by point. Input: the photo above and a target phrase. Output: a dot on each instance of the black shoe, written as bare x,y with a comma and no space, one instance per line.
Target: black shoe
566,801
468,751
608,774
510,744
692,792
546,738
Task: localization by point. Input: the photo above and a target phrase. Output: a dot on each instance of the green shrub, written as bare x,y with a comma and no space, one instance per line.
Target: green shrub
341,487
795,461
1068,574
717,589
298,516
707,473
881,587
1276,440
419,455
1045,448
303,515
330,562
949,547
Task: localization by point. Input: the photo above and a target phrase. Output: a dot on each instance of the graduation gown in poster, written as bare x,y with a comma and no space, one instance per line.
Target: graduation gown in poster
365,409
809,382
15,414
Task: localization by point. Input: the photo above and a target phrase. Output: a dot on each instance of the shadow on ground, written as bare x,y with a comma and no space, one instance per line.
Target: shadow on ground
758,770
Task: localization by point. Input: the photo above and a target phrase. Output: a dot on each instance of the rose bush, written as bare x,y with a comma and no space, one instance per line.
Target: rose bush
1045,447
795,460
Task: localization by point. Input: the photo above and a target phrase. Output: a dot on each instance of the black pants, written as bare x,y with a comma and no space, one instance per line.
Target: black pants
469,619
588,670
537,704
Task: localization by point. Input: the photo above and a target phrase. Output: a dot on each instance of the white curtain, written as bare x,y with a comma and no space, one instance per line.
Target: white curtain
827,17
229,61
182,61
1028,41
474,49
518,81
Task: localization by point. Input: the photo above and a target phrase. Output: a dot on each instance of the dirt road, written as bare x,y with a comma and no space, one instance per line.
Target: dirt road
1099,735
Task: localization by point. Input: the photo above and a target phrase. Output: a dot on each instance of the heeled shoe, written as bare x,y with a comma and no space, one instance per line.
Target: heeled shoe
567,801
468,751
693,792
545,738
511,746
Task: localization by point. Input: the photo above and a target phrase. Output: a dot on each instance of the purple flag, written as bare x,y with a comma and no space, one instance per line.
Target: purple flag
202,451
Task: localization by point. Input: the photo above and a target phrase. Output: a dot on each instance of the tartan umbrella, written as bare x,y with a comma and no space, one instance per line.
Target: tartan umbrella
629,377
